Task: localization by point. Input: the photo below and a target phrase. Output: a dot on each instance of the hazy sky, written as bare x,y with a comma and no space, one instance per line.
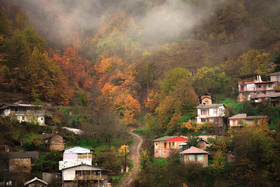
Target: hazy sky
159,22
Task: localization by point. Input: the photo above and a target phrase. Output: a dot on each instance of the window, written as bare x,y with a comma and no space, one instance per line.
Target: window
215,112
191,157
203,112
164,144
42,119
200,158
203,120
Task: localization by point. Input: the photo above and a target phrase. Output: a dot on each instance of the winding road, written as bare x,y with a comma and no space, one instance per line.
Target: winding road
135,158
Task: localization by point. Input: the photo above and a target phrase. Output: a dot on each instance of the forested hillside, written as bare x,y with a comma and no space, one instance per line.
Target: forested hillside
137,63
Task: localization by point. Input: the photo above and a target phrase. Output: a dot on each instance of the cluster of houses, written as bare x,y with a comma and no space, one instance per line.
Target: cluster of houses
76,167
254,90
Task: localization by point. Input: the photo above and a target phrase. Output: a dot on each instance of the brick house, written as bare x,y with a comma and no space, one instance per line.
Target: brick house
195,155
22,162
53,141
165,145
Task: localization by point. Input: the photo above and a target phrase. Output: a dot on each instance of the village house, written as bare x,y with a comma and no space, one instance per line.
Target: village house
83,175
206,99
240,120
274,76
194,155
211,113
75,156
207,111
53,141
35,182
22,162
24,112
256,90
273,98
165,145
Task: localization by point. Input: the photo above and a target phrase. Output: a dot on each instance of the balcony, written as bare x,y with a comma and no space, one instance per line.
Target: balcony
91,177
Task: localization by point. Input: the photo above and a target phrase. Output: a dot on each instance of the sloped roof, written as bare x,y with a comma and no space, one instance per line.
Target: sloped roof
265,82
92,167
210,106
35,179
256,117
275,73
194,150
77,150
165,138
239,116
178,139
268,94
23,154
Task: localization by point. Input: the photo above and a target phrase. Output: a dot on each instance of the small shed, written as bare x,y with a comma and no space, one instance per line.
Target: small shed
195,155
36,182
53,141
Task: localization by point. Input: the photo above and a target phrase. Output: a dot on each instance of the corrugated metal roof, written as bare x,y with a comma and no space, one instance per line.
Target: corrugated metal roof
210,106
194,150
77,150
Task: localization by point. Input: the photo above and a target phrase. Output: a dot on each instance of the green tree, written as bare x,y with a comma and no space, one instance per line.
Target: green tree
172,78
210,80
254,154
254,61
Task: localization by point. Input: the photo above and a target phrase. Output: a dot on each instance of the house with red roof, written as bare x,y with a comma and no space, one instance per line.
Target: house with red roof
195,155
165,145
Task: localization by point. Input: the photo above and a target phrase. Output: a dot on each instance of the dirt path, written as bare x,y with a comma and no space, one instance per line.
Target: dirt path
135,158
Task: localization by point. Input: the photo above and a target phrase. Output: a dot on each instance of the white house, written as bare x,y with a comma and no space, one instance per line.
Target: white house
75,156
210,113
24,112
85,174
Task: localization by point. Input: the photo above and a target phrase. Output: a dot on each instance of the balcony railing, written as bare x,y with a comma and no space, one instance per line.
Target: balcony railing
91,177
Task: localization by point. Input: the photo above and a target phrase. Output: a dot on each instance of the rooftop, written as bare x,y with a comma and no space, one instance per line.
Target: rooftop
268,94
194,150
23,154
165,138
244,116
91,167
210,106
77,150
35,179
239,116
275,73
